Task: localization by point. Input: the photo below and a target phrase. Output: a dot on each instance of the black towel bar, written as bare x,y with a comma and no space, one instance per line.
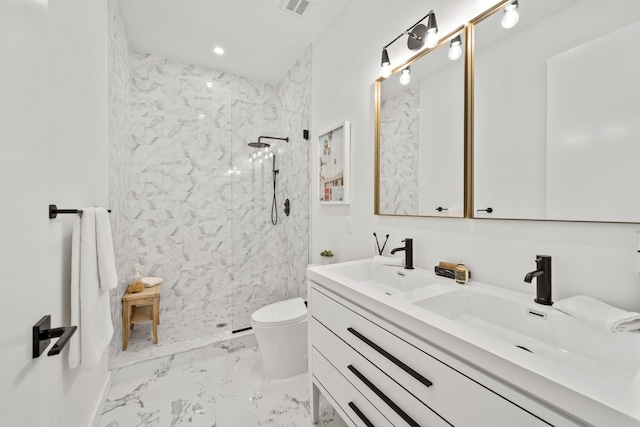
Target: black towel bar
54,211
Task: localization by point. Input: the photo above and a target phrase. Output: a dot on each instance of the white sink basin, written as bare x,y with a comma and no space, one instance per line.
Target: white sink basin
539,330
388,279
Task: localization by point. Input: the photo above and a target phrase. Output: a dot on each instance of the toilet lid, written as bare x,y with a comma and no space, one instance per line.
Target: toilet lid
280,313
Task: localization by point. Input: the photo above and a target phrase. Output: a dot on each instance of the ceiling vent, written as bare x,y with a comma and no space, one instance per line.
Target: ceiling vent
297,7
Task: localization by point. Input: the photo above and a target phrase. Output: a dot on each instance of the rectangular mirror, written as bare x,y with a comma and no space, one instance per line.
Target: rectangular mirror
556,133
420,134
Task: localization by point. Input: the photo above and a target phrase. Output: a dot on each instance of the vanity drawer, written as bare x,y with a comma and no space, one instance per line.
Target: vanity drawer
359,410
454,396
400,407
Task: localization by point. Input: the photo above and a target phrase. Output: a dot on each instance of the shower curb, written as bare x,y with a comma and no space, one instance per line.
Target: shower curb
161,363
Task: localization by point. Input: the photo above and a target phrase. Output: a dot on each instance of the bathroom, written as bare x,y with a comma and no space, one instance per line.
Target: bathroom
59,76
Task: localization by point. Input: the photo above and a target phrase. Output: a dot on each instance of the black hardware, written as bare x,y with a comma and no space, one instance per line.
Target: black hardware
360,415
524,348
408,253
42,334
488,210
384,397
440,209
274,209
378,244
409,32
392,358
54,211
543,281
287,207
384,245
305,134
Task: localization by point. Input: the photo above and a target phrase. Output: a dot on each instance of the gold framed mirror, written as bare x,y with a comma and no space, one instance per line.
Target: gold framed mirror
420,133
555,130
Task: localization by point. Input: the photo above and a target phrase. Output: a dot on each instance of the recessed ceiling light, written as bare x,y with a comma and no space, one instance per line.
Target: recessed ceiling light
218,50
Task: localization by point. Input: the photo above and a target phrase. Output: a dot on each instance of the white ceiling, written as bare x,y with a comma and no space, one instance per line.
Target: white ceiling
261,40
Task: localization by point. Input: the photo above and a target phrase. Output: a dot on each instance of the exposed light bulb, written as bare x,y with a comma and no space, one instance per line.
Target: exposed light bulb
386,70
405,76
455,49
385,63
511,15
432,38
218,50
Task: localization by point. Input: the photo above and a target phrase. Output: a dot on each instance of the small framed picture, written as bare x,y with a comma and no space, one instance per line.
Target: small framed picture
334,157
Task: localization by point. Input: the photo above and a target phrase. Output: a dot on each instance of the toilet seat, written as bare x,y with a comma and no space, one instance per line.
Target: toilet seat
280,313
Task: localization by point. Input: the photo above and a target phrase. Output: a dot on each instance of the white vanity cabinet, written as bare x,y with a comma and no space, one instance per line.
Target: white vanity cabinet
395,378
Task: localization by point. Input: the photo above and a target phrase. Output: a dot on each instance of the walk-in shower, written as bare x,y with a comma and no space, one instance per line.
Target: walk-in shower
259,155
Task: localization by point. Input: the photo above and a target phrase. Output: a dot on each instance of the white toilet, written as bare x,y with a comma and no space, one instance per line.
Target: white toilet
281,331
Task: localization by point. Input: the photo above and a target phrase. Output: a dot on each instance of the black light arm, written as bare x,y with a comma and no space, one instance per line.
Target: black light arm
408,30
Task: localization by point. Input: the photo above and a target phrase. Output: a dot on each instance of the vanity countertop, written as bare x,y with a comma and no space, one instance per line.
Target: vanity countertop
591,375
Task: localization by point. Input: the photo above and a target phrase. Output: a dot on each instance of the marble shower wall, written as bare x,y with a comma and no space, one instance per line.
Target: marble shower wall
206,232
120,145
269,261
399,151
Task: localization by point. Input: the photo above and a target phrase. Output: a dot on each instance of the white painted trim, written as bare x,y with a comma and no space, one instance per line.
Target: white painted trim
96,414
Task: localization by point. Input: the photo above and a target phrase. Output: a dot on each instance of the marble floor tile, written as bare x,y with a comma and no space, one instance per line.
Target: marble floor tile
175,334
225,391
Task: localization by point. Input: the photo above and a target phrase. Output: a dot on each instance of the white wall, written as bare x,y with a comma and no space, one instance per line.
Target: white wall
590,258
78,171
53,99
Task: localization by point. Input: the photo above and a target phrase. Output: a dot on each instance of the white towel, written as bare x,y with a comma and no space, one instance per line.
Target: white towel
91,279
387,260
151,281
106,257
600,314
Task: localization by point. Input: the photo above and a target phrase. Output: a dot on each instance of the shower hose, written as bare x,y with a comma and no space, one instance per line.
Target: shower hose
274,209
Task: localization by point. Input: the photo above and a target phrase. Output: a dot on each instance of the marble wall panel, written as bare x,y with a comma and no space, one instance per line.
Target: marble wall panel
399,149
264,253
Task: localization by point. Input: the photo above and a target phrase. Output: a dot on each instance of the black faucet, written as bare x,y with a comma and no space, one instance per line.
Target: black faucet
543,281
408,253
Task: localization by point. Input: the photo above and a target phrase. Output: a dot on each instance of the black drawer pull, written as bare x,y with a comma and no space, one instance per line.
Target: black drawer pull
392,358
360,415
384,397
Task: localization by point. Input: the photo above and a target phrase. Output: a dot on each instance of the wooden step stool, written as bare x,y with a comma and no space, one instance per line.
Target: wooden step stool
140,307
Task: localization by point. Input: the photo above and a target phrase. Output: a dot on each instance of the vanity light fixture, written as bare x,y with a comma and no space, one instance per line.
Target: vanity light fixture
418,35
511,16
385,63
432,31
455,48
405,76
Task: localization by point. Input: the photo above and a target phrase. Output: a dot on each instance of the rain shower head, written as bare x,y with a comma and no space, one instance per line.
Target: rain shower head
261,144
